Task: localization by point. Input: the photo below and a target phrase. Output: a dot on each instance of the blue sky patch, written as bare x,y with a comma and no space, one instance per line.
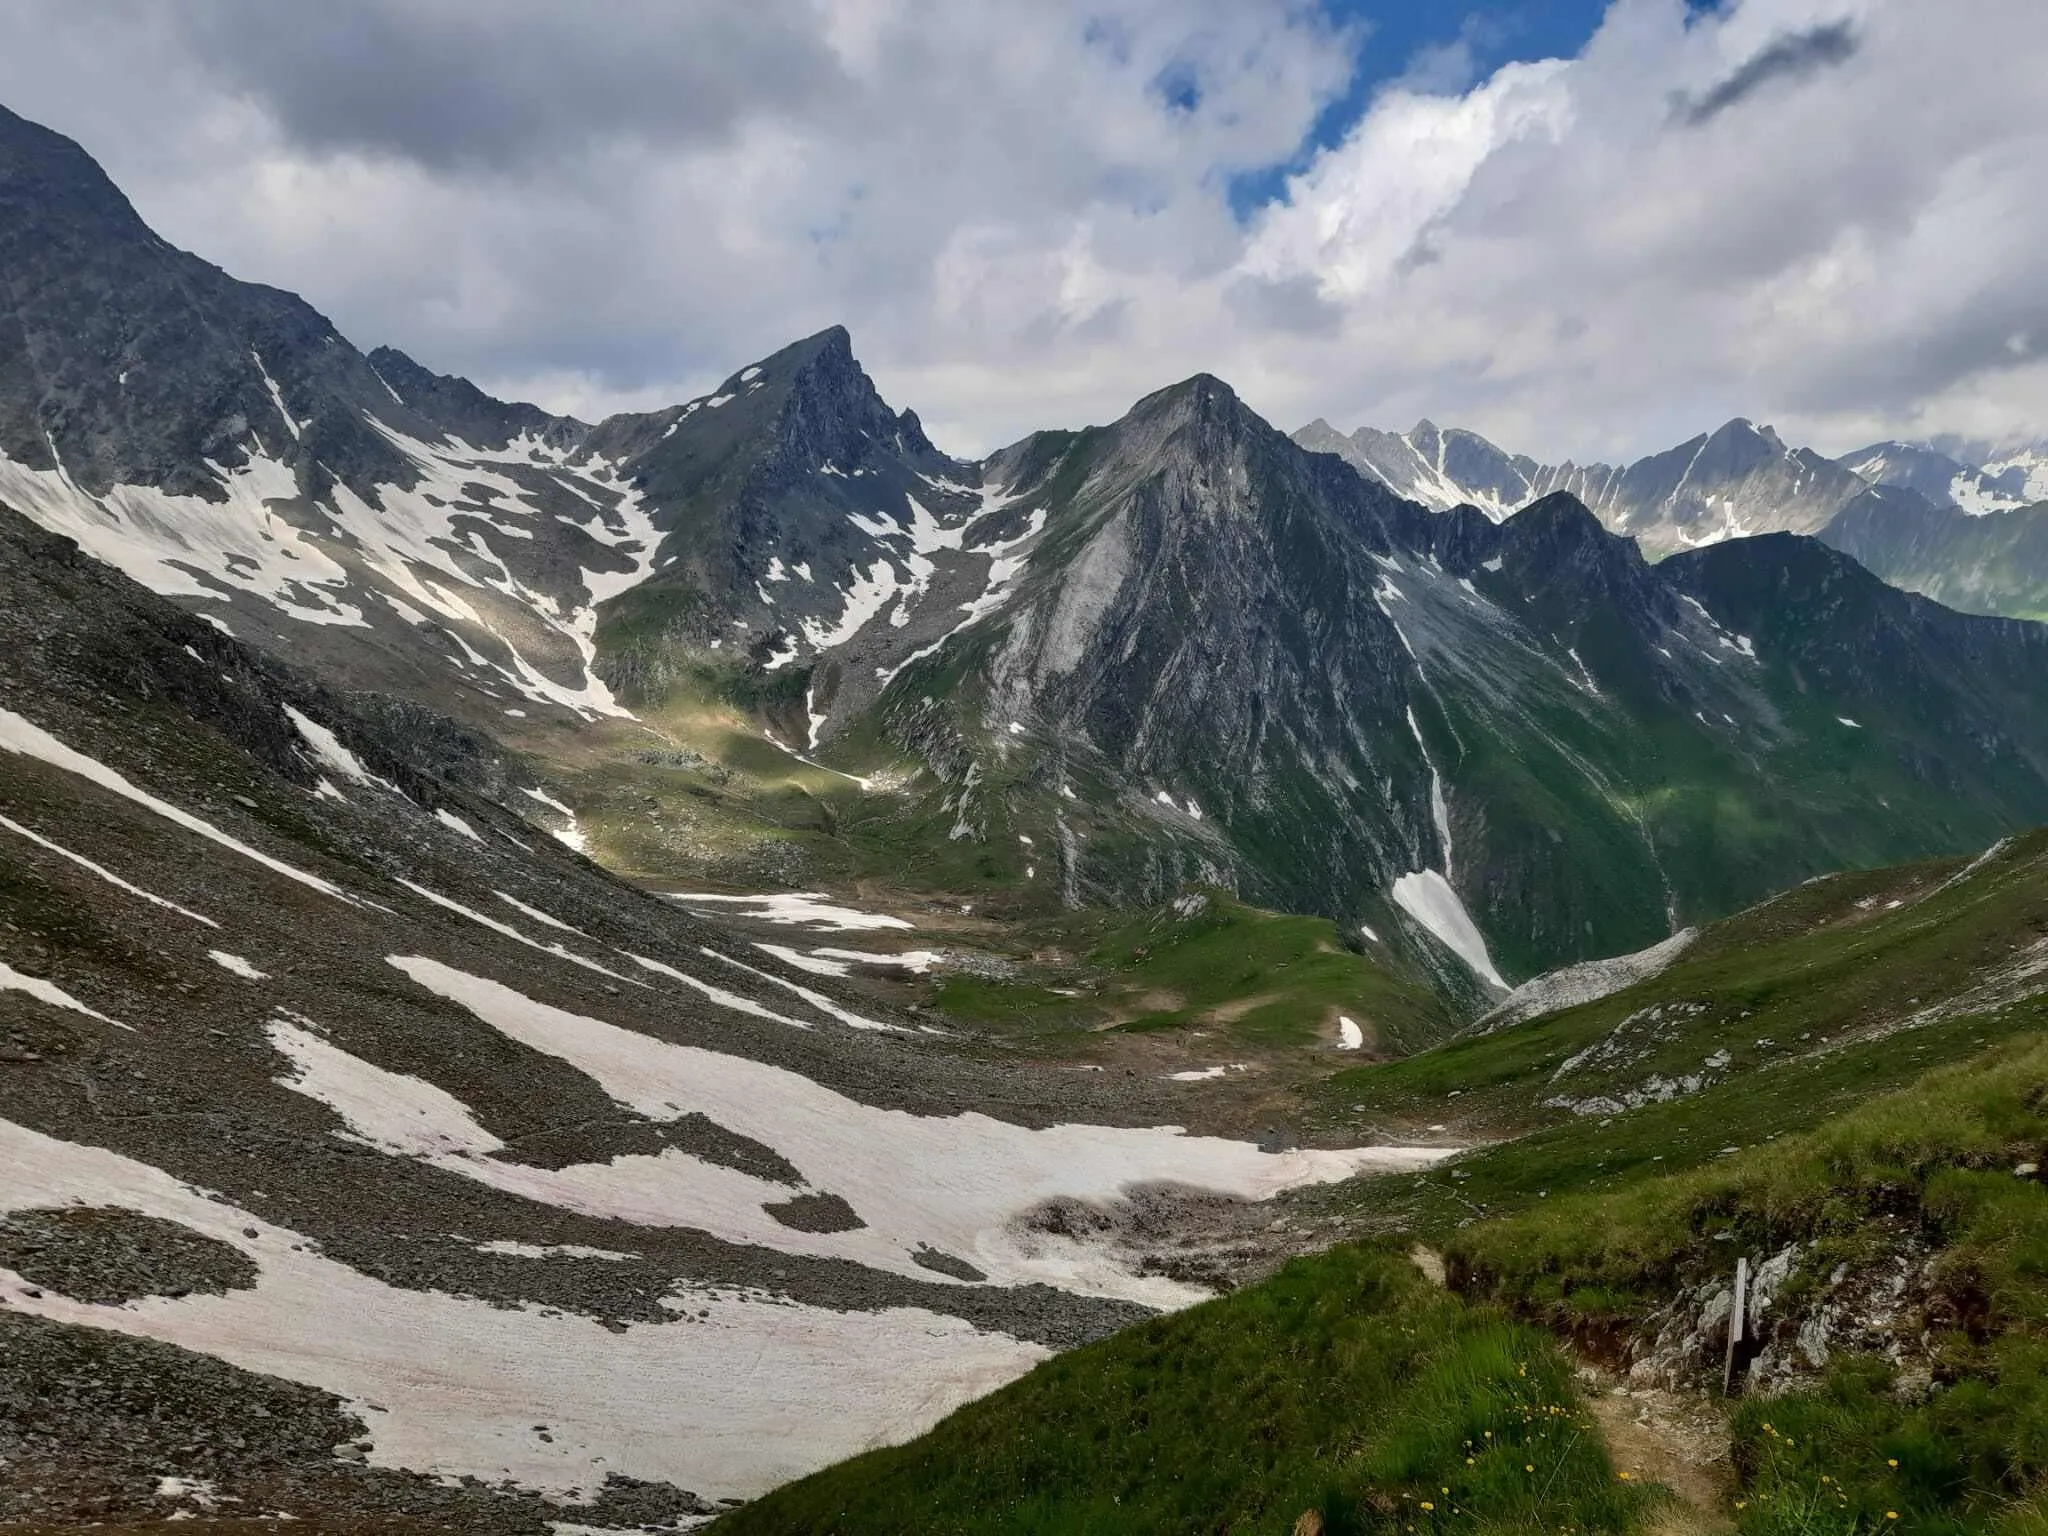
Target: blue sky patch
1444,44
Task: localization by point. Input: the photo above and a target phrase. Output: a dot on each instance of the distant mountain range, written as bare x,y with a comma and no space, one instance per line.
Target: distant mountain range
1913,513
1095,666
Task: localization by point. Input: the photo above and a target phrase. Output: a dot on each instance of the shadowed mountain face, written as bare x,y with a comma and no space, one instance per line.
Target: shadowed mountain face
1178,647
1993,563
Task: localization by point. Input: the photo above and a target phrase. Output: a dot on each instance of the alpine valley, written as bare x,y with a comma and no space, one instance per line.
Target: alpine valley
573,974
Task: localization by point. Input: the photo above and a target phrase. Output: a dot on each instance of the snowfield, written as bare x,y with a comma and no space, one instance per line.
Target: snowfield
742,1393
799,909
960,1184
741,1390
1427,897
739,1386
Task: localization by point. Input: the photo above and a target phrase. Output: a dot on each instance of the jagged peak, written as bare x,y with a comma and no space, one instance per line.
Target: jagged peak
1742,429
830,348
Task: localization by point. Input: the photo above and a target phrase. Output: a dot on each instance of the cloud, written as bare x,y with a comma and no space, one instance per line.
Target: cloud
501,84
1789,59
1023,212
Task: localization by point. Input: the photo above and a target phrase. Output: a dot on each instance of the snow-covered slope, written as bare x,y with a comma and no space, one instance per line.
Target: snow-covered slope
349,1109
1738,480
1975,477
401,530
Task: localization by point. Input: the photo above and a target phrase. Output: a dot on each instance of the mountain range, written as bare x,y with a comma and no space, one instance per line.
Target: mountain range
1958,521
1093,667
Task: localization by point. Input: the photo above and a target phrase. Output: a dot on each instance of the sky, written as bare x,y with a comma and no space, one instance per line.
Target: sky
1586,229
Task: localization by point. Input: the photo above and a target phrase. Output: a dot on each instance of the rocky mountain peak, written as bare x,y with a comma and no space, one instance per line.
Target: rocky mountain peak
41,169
1202,394
130,362
834,414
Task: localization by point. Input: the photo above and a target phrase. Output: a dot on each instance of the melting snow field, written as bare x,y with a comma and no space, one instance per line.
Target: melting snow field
958,1183
740,1391
1428,898
417,551
840,962
800,909
728,1403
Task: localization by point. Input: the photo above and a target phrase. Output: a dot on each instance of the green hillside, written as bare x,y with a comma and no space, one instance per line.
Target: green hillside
1881,1112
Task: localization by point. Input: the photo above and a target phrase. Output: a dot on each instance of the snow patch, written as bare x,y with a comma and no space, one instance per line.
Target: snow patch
1428,897
513,1248
796,909
455,823
43,991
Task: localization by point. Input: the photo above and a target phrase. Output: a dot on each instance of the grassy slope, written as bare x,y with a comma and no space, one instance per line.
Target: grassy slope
1345,1385
1935,1160
1342,1385
1229,978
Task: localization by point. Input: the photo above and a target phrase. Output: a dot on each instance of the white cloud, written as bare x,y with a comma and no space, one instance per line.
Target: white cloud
1841,247
1023,212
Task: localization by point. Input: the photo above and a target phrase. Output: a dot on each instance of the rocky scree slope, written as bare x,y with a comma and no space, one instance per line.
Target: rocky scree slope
364,1150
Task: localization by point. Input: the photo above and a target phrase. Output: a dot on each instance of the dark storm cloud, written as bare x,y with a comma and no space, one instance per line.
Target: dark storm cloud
499,84
1794,57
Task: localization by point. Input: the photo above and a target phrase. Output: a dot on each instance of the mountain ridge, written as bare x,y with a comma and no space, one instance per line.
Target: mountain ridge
1096,666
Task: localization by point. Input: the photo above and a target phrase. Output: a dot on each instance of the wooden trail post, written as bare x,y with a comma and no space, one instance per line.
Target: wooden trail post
1738,1319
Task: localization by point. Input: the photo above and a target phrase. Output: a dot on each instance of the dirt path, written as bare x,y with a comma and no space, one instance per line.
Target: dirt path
1677,1439
1674,1438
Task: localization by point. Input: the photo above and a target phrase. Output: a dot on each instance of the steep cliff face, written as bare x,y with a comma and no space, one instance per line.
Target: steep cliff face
1499,745
796,511
1196,626
126,362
